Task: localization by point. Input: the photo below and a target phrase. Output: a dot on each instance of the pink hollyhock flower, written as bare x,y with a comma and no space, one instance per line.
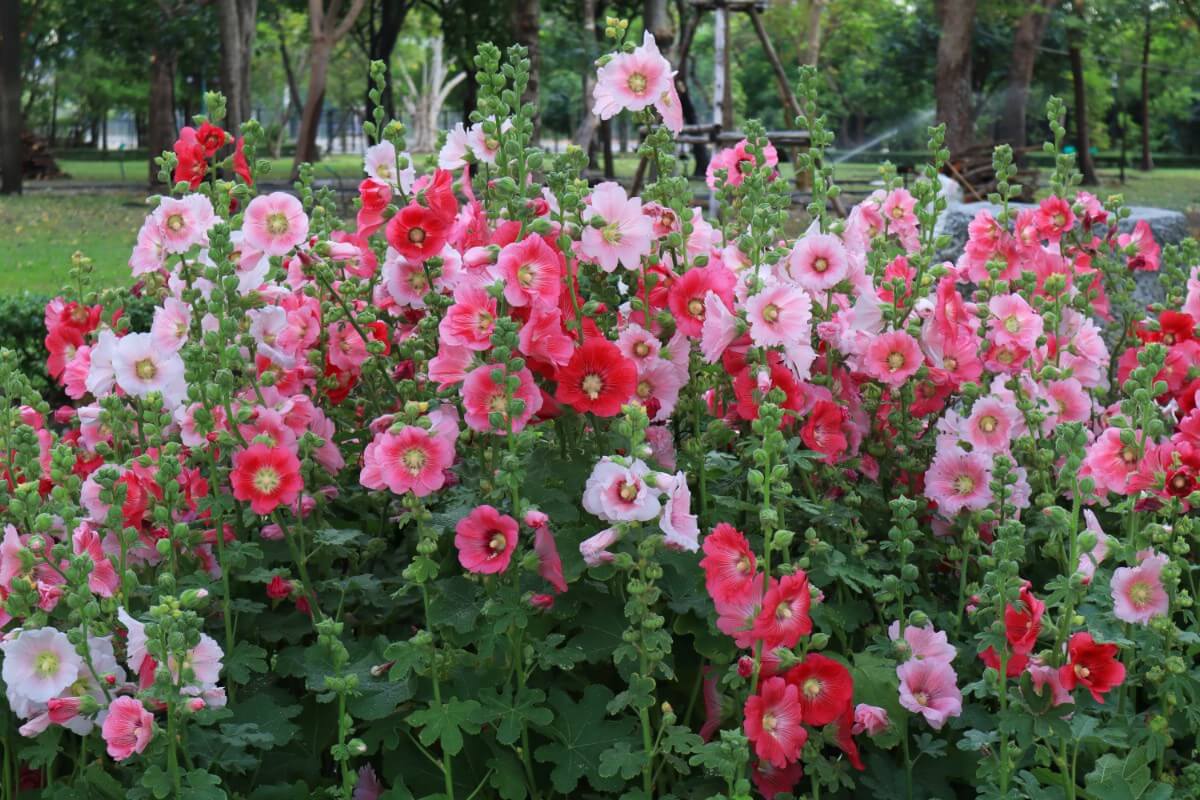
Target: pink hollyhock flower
736,614
677,522
719,329
150,253
899,209
470,321
729,564
532,271
141,368
670,108
1090,560
1053,218
451,365
453,154
824,431
819,262
380,162
825,688
658,386
128,727
929,688
275,223
662,446
625,233
687,296
1067,401
412,459
347,350
549,563
103,578
367,787
485,146
784,616
39,664
542,336
989,429
171,322
1111,463
483,396
638,344
485,539
773,723
924,644
184,222
1147,253
266,477
1044,676
958,481
618,493
1138,593
893,358
871,720
631,81
594,549
779,315
1013,324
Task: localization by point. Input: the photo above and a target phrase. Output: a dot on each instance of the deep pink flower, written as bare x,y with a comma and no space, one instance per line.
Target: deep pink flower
128,728
990,426
729,564
532,271
686,297
893,358
483,396
773,723
784,616
412,459
485,539
868,719
266,476
958,481
470,321
542,336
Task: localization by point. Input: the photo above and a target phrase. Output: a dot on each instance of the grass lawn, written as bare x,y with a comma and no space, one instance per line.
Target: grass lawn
134,172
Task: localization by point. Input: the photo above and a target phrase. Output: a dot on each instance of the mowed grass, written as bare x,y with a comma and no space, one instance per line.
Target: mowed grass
135,172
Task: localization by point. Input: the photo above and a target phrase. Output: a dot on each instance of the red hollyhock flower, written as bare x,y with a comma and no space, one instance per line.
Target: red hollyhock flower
784,616
1023,622
191,160
1014,664
745,385
375,196
1176,327
729,564
686,296
267,477
773,723
771,781
211,138
417,233
825,688
845,738
439,196
598,378
1091,665
278,588
823,430
240,165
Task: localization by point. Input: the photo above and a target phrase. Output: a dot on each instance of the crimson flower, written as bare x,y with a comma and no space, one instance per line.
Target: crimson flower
824,687
598,378
1092,665
417,232
266,477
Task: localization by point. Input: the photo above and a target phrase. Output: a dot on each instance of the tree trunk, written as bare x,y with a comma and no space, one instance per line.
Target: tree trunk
10,97
1083,143
161,134
952,81
1147,159
658,22
1027,38
310,119
586,132
382,44
526,23
812,49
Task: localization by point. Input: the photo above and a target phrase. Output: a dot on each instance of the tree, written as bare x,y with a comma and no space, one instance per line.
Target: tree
423,103
952,80
377,32
10,96
1083,139
526,24
812,48
237,21
1027,39
327,26
1147,159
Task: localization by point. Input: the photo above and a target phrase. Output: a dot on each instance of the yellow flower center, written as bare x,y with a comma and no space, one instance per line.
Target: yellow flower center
628,491
695,307
1012,324
950,363
964,484
1139,593
416,235
895,361
525,275
145,369
1082,671
498,542
637,83
611,233
641,349
644,390
414,460
46,664
175,222
922,698
592,385
820,265
783,611
277,223
812,688
266,480
743,565
770,312
987,424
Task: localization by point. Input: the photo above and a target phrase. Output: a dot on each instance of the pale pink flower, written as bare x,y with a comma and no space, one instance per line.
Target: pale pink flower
719,329
779,315
662,446
626,233
1043,676
924,644
39,664
990,426
1067,401
677,522
1138,592
532,271
275,223
958,481
892,358
618,493
483,146
638,344
1013,324
185,222
818,262
594,549
171,322
470,321
659,381
631,81
141,368
929,688
127,728
871,720
1093,558
150,252
380,162
453,154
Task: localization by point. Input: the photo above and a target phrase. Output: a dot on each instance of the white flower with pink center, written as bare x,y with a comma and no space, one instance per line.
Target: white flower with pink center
39,664
618,493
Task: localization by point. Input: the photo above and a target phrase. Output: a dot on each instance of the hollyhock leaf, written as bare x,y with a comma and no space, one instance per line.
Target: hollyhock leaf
446,723
709,643
621,759
508,777
270,711
340,540
974,741
200,784
601,635
550,653
379,696
455,604
158,781
510,711
101,784
1127,778
243,660
406,659
582,732
640,694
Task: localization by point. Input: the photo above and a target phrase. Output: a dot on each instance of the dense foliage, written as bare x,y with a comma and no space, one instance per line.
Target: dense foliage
519,487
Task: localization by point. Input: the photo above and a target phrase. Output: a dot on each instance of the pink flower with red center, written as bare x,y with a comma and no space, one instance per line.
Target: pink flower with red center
893,358
729,564
485,539
542,337
774,723
989,429
275,223
686,297
819,262
127,728
929,688
784,616
532,271
411,460
597,379
266,477
1053,218
484,395
958,481
1146,252
1013,323
631,81
1091,665
1110,462
471,320
779,315
824,688
624,234
1138,592
619,493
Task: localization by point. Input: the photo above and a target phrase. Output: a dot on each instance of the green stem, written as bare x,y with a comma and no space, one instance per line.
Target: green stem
447,767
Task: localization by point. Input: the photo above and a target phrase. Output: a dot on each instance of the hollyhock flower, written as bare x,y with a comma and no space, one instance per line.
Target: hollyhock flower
929,688
102,579
923,644
779,315
594,549
1138,593
597,379
771,781
677,522
868,719
989,429
958,481
483,145
1110,462
485,539
380,162
190,158
542,336
1043,676
616,493
1013,323
899,209
484,396
818,262
127,728
773,723
275,223
532,272
631,81
825,688
450,366
266,477
1147,253
549,563
625,233
417,232
719,329
893,358
784,616
658,388
367,786
1053,218
39,664
412,459
184,222
824,432
1091,665
171,322
687,296
141,368
1090,560
1023,621
729,564
470,321
737,613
